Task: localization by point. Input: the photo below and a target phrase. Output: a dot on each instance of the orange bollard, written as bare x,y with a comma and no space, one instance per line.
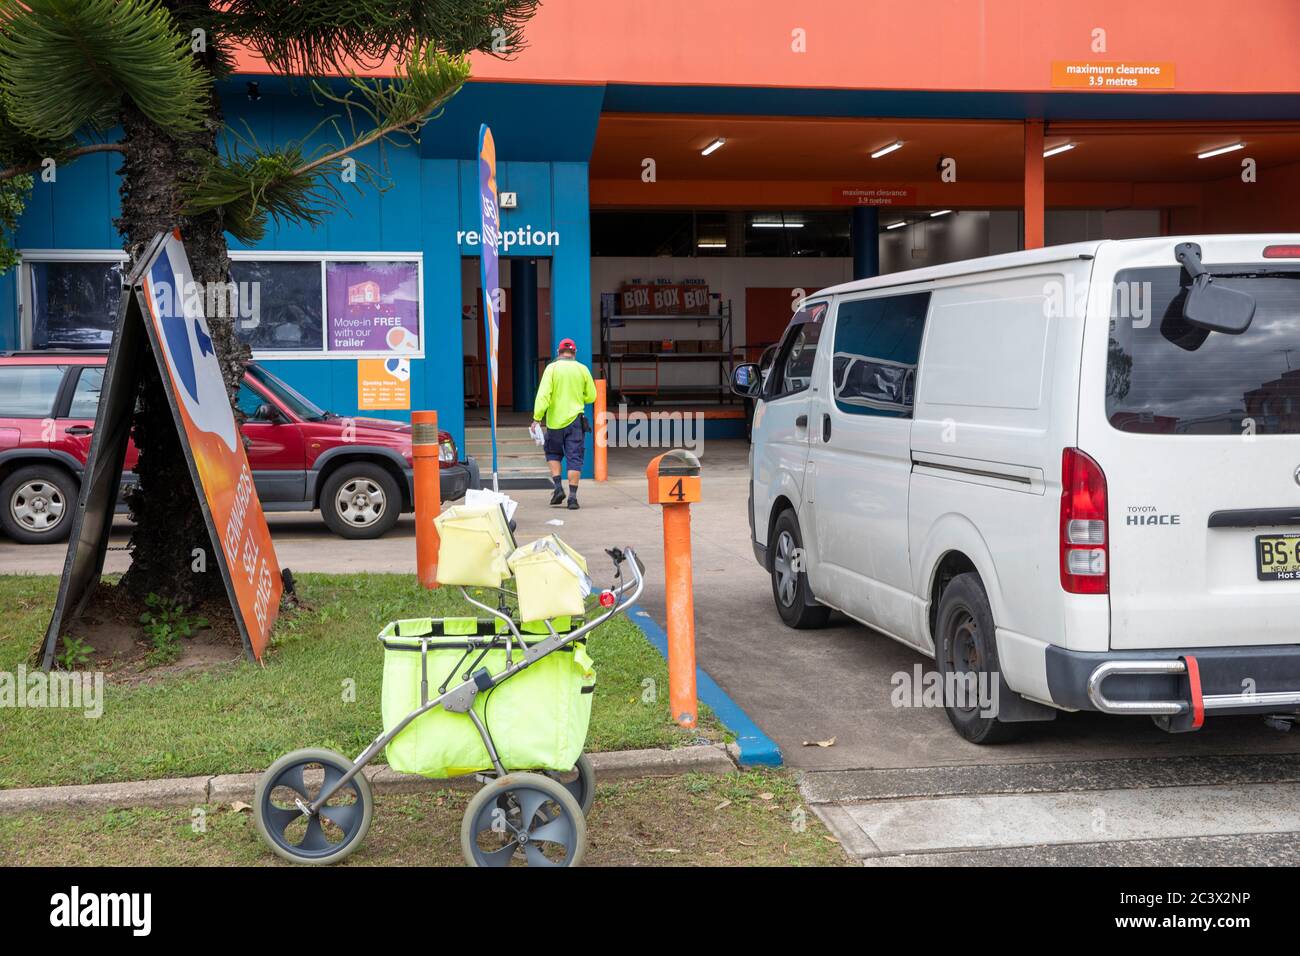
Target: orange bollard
428,495
680,599
674,480
602,433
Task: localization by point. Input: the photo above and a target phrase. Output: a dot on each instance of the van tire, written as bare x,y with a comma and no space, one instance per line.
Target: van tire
368,483
790,584
36,504
965,640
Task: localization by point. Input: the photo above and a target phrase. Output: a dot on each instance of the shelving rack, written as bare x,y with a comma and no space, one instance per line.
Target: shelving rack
636,375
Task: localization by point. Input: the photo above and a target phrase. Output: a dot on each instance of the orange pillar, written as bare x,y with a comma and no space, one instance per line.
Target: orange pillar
1034,184
602,433
428,495
680,602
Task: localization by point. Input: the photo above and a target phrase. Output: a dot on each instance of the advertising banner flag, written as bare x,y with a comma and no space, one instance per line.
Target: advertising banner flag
490,234
162,313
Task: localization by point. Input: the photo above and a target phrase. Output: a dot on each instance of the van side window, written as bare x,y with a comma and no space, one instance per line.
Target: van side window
792,370
877,344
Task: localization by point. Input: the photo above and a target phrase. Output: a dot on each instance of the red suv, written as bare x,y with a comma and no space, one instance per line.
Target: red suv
357,471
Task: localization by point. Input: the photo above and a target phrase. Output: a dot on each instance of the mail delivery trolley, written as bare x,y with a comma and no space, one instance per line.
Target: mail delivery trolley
492,696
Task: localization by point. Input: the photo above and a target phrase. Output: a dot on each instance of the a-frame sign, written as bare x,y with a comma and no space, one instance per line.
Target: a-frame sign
161,315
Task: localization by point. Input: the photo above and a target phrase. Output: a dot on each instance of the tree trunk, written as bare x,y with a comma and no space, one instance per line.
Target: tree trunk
170,529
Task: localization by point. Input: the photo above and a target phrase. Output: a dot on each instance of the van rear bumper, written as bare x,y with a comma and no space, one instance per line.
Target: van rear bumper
1187,683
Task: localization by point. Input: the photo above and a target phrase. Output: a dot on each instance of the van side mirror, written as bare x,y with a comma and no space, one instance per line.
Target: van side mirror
266,412
747,381
1209,305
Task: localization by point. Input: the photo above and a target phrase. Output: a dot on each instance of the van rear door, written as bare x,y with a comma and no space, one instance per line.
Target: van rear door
1198,434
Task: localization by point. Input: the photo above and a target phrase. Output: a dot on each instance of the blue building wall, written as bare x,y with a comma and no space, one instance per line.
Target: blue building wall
431,198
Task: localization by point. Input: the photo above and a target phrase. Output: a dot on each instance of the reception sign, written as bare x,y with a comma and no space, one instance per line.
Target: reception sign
162,313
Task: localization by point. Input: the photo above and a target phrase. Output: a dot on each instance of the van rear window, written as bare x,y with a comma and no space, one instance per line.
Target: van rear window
1164,376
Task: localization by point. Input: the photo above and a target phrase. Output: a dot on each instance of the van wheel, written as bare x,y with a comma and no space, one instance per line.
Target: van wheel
36,504
360,500
966,653
789,579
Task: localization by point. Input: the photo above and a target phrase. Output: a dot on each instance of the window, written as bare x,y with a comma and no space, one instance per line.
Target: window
298,403
280,305
792,371
85,398
373,306
877,343
249,401
1166,376
28,391
283,304
72,303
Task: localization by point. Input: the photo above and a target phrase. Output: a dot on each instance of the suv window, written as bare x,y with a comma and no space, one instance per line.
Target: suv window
249,401
877,343
792,370
1166,376
28,391
85,398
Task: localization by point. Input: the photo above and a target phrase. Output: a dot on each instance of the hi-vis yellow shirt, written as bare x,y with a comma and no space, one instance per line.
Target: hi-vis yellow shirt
565,388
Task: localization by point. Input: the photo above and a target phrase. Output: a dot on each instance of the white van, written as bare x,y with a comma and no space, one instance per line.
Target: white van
1072,473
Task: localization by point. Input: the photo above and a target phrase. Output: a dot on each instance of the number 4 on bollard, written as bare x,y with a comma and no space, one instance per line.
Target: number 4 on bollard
674,482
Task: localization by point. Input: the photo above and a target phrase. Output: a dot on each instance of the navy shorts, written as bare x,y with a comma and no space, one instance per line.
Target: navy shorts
565,444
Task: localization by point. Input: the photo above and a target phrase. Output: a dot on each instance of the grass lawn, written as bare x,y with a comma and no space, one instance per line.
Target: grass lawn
238,717
744,819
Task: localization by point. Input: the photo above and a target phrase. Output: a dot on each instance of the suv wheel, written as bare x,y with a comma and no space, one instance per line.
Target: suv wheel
965,647
36,504
790,579
361,500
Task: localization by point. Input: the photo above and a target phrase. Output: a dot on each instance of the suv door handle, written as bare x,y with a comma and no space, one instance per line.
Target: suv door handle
826,427
801,421
78,430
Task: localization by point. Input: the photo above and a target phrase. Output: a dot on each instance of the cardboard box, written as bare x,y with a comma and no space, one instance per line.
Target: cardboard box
695,297
666,298
634,298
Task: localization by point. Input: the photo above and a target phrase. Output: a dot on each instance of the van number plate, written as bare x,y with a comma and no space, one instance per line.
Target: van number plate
1277,557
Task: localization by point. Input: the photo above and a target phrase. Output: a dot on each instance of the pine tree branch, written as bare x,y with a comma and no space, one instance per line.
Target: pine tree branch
339,36
297,184
67,65
62,157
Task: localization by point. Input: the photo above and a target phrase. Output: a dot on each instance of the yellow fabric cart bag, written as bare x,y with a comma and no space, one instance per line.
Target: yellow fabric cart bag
474,544
550,579
538,718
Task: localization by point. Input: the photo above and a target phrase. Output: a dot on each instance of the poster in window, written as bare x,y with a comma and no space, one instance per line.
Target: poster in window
373,306
383,384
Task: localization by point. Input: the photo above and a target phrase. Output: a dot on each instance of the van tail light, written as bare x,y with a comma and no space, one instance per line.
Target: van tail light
1282,252
1085,565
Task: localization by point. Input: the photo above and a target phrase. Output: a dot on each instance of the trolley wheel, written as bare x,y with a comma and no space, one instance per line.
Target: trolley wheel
326,837
525,812
580,781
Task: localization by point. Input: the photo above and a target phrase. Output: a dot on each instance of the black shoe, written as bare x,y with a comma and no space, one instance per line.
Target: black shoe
557,497
573,503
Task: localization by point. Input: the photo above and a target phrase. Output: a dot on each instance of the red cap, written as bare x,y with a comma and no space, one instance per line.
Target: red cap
566,345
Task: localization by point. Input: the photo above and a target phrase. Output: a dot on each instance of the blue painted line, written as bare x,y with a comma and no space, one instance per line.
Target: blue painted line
756,747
